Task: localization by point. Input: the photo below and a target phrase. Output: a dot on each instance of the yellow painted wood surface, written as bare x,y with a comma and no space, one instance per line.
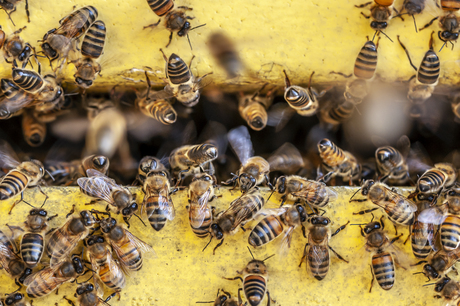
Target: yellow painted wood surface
182,274
296,35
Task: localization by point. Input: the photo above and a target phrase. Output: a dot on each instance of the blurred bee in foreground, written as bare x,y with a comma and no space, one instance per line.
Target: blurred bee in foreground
21,176
412,8
318,246
286,159
34,130
336,112
449,291
90,295
175,20
120,200
9,6
15,299
254,169
338,162
381,12
253,108
14,47
225,299
254,279
399,209
392,163
224,52
201,193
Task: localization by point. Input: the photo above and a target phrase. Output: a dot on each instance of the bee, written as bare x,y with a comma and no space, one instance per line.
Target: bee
21,176
318,246
254,169
48,112
314,193
9,6
392,163
14,47
366,63
103,263
34,130
51,278
182,84
449,289
91,49
284,219
88,295
225,299
147,164
336,113
120,200
253,108
224,52
422,234
439,264
382,249
57,43
399,209
413,7
65,239
254,279
304,101
12,99
129,248
160,110
11,262
201,192
381,12
15,299
338,162
436,180
175,20
157,200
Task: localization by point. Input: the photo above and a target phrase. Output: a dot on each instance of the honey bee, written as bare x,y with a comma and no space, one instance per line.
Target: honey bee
15,299
336,112
201,192
253,108
13,99
65,239
9,6
11,262
383,253
422,234
88,295
120,200
366,63
449,289
14,47
48,112
254,279
160,110
175,20
147,164
318,246
338,162
399,209
286,158
34,130
57,43
413,7
392,164
224,52
436,180
304,101
381,12
254,169
91,49
129,248
225,299
21,176
50,278
103,263
439,264
157,200
284,219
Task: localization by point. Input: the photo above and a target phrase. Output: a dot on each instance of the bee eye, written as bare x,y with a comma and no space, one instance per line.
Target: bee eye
90,287
43,213
100,240
18,296
33,212
452,193
134,206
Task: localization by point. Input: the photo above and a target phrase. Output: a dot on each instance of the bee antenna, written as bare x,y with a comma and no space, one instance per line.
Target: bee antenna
251,253
386,35
50,175
442,46
188,38
268,257
359,224
417,273
199,302
374,35
270,195
140,219
429,284
415,24
354,194
207,244
201,25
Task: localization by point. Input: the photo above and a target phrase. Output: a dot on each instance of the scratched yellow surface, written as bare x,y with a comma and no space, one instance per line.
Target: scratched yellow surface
182,274
296,35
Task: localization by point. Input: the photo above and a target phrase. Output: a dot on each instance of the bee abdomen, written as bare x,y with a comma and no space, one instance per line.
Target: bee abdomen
254,289
41,287
428,72
450,233
27,80
256,116
384,270
432,181
297,97
203,230
178,72
12,184
161,7
366,62
113,279
340,112
421,250
32,249
265,231
34,130
132,256
82,18
94,40
450,5
161,111
157,217
400,217
318,261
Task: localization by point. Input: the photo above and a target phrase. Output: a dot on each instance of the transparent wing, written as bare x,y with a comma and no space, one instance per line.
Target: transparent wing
240,140
171,211
397,202
319,252
286,158
98,187
15,104
8,158
400,257
279,115
141,245
159,95
94,172
94,265
433,215
49,274
216,134
286,242
403,145
70,241
6,255
423,233
198,214
202,82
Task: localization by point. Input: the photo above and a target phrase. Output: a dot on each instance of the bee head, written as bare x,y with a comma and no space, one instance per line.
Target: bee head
37,218
430,272
441,284
108,224
78,264
414,7
379,25
366,187
49,51
302,212
25,54
84,288
13,298
184,30
83,83
447,35
246,181
319,220
280,184
370,227
217,231
25,274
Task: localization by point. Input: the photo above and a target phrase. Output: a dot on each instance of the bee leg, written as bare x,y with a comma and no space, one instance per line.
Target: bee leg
395,238
52,217
153,24
68,301
342,74
429,23
303,231
364,211
240,301
269,299
170,39
337,254
304,255
27,11
57,290
235,278
50,231
396,229
365,16
110,297
218,245
340,228
71,211
46,196
12,227
437,297
372,282
410,230
185,8
364,4
17,202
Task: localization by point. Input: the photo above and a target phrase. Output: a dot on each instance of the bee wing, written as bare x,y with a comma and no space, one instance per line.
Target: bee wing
8,158
202,82
171,211
94,172
398,203
279,115
97,186
94,265
331,194
215,133
286,242
15,104
319,251
400,257
285,158
240,140
403,145
48,273
424,233
199,214
6,255
141,245
159,95
432,215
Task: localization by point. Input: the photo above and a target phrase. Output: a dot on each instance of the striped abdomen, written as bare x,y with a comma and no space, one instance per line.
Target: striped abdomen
387,158
89,187
384,270
297,97
27,80
5,241
157,217
331,154
254,289
400,213
129,254
366,62
110,273
61,172
32,248
422,238
59,245
161,7
93,42
34,130
178,72
316,194
76,24
450,233
159,110
202,153
13,183
9,89
432,181
265,231
201,231
318,261
450,5
428,73
255,115
338,113
41,285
